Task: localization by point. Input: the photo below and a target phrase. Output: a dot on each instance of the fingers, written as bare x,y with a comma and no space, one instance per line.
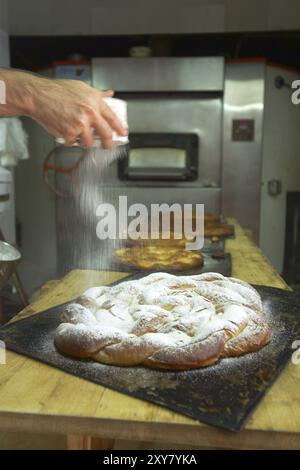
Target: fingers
70,137
97,118
113,120
108,93
104,131
86,137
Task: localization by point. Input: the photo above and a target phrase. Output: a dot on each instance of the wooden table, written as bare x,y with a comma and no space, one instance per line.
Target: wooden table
38,398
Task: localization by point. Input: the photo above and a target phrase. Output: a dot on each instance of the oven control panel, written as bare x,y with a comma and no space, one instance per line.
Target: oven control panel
243,130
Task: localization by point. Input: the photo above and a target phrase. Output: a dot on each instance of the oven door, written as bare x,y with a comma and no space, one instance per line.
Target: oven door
160,157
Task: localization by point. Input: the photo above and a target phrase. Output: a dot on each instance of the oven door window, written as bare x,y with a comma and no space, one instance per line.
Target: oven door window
175,158
156,157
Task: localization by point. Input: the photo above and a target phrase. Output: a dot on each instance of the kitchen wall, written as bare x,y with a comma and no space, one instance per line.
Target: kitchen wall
281,162
36,211
3,14
7,218
91,17
4,47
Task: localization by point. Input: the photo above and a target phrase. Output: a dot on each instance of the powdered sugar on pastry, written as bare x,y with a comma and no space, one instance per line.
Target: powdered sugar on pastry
165,321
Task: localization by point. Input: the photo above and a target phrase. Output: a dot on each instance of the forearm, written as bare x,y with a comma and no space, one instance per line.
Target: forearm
20,89
70,109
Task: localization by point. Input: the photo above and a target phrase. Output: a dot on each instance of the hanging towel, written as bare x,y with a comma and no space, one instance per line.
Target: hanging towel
13,142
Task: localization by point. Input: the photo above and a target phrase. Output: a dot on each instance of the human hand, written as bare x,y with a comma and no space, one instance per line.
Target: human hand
71,109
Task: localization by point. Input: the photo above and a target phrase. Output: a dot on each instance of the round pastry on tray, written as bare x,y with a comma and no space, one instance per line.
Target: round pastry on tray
218,230
211,218
158,258
208,218
178,234
161,239
165,322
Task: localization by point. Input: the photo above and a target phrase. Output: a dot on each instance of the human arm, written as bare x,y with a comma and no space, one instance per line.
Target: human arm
69,109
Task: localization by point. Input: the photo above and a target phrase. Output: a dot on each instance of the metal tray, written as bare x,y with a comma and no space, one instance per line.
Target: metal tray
210,246
223,395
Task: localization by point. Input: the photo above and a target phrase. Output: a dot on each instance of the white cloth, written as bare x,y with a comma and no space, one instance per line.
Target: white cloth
13,142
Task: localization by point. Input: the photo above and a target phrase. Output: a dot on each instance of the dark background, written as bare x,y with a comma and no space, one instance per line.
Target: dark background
34,52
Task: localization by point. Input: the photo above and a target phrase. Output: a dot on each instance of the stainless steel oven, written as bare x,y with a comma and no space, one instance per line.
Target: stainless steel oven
175,122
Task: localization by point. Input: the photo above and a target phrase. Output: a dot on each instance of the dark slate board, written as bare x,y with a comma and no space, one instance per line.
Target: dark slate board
223,395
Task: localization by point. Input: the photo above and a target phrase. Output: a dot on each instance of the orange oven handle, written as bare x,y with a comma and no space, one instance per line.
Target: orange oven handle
60,169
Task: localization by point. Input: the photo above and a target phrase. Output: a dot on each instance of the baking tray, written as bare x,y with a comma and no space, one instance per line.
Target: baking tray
223,395
211,247
214,261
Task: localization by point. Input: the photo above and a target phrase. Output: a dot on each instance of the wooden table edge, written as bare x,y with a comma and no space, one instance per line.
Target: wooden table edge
175,433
